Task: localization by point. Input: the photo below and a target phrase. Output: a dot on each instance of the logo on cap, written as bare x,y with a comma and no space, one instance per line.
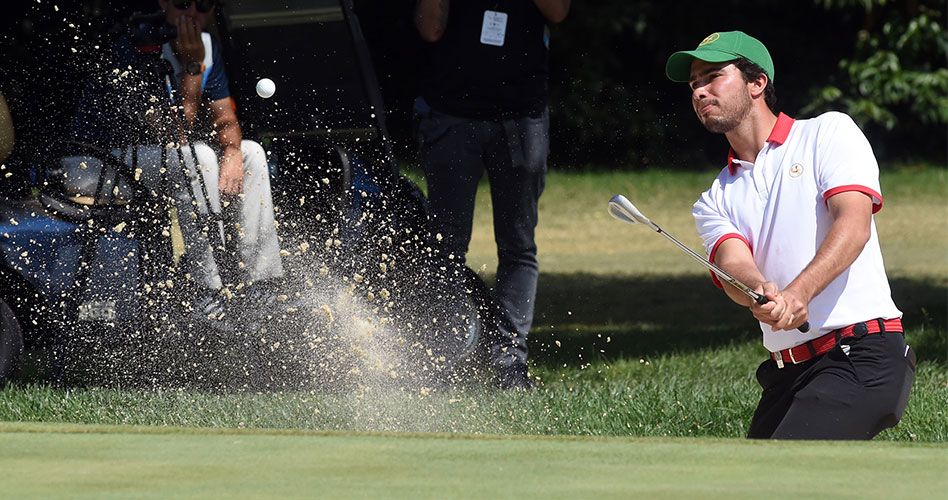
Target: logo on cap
796,170
713,37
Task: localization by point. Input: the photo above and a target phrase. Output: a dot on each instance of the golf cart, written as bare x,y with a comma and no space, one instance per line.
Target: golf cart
89,262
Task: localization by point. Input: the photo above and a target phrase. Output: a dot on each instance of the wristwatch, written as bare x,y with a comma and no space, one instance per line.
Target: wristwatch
194,68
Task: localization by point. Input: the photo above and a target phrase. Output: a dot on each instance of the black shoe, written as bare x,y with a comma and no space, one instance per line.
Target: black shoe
265,298
515,377
209,311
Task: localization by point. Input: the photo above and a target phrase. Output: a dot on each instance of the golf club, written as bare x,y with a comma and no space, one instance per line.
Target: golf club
623,209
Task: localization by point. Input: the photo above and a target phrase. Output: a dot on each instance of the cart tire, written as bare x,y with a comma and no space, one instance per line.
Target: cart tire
464,309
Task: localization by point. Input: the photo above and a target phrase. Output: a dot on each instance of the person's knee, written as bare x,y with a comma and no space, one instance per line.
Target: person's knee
255,158
252,150
206,158
534,155
516,236
522,255
536,143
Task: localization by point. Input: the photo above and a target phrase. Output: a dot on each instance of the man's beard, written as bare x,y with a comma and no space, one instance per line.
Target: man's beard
731,116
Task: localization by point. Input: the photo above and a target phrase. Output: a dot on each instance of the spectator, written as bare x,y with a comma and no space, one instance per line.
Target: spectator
483,107
198,84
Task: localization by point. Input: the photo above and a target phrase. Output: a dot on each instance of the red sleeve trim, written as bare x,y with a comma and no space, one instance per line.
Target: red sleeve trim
714,251
856,187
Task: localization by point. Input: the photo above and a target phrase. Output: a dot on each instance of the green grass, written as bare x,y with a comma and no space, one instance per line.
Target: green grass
708,392
128,462
630,340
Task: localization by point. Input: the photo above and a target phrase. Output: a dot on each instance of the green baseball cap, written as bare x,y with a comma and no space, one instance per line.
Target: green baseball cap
720,47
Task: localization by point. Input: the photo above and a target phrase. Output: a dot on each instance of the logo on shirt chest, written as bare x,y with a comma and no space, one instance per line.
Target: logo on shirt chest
796,170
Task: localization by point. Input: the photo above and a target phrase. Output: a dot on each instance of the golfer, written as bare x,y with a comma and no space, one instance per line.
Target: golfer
791,215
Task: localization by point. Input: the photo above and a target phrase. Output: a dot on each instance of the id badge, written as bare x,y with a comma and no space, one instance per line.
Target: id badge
494,28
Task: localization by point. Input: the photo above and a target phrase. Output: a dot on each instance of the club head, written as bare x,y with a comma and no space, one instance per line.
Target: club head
623,209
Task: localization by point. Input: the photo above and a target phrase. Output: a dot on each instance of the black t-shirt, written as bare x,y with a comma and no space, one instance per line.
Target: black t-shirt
471,79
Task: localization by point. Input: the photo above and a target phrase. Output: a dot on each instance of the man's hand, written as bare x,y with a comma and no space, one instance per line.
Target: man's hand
553,10
431,18
772,311
786,310
231,172
188,46
796,303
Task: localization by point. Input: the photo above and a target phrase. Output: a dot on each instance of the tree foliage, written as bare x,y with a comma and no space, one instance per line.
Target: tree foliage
897,79
882,61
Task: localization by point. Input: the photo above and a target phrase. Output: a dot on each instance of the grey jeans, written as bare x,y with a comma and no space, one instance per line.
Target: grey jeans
454,153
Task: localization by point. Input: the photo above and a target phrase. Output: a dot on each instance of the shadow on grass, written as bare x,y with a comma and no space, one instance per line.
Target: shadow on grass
602,317
582,318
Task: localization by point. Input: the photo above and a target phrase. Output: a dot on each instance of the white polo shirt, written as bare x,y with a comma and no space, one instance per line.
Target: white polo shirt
777,206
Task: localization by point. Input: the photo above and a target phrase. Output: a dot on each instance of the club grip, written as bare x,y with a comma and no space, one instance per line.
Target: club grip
805,327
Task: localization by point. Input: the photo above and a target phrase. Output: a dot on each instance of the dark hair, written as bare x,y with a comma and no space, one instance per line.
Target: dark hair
751,71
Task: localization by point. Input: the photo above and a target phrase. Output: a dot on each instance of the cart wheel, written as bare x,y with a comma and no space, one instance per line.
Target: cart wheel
462,305
11,342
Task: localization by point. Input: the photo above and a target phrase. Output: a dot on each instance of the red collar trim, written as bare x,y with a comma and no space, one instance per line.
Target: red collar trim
781,129
777,136
730,161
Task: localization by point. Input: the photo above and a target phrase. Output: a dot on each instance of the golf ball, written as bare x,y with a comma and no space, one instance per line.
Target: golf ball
266,88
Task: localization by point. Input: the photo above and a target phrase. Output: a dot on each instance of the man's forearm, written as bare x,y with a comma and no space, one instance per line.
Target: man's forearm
231,161
431,18
740,298
554,10
225,124
736,259
190,97
228,136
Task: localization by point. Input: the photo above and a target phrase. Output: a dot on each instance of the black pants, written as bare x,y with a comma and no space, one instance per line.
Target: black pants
838,395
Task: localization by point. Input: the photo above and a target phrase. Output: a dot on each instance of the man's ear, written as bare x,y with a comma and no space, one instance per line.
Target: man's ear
758,85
